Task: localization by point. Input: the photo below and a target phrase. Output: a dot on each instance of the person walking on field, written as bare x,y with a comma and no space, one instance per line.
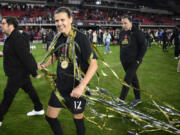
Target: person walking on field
132,49
18,64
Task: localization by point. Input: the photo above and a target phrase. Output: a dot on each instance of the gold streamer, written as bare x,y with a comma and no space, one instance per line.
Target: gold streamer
78,73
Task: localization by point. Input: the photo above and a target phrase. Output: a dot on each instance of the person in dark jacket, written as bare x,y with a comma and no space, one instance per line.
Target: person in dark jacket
25,34
132,49
176,37
165,40
18,64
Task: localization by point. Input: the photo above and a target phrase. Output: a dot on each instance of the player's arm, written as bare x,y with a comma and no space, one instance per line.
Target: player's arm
50,61
77,92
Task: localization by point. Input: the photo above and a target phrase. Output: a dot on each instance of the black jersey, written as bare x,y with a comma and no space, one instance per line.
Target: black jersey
65,77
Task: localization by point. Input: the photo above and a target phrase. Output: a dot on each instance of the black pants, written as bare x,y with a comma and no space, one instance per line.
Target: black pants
47,45
12,86
176,50
164,46
130,78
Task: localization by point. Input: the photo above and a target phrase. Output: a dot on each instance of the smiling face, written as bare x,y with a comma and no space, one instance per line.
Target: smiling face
63,22
126,24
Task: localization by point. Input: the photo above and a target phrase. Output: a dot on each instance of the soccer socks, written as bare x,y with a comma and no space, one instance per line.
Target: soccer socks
80,126
55,125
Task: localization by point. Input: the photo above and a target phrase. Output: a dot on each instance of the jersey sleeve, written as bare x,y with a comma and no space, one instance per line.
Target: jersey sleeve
86,48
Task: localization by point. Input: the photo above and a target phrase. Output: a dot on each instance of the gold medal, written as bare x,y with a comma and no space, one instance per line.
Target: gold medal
64,64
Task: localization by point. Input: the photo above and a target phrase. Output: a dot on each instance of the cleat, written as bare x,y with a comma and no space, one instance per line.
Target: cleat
136,102
121,103
33,113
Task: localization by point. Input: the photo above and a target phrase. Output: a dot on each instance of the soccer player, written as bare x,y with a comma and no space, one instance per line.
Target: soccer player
68,86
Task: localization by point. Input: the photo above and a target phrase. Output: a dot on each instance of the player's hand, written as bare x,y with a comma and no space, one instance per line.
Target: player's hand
40,66
77,92
37,76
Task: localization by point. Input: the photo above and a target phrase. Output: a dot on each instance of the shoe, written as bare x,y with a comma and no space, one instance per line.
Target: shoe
110,52
136,102
33,113
175,58
0,124
121,103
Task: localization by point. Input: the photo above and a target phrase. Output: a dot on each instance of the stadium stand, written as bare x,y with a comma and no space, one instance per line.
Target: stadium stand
88,13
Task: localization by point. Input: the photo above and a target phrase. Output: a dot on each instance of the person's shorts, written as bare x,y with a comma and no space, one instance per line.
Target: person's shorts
75,105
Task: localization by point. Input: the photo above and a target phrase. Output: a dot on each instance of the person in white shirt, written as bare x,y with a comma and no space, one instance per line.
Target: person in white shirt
107,41
94,37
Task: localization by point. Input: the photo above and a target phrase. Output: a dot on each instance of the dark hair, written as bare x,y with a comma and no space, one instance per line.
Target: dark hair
11,20
66,10
128,17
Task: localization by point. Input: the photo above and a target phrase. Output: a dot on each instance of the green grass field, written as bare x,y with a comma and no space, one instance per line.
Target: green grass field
157,75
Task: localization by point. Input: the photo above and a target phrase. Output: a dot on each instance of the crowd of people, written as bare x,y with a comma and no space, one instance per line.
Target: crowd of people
44,14
165,37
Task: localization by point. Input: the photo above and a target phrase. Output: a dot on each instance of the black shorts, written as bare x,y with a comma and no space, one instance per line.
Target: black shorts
75,105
